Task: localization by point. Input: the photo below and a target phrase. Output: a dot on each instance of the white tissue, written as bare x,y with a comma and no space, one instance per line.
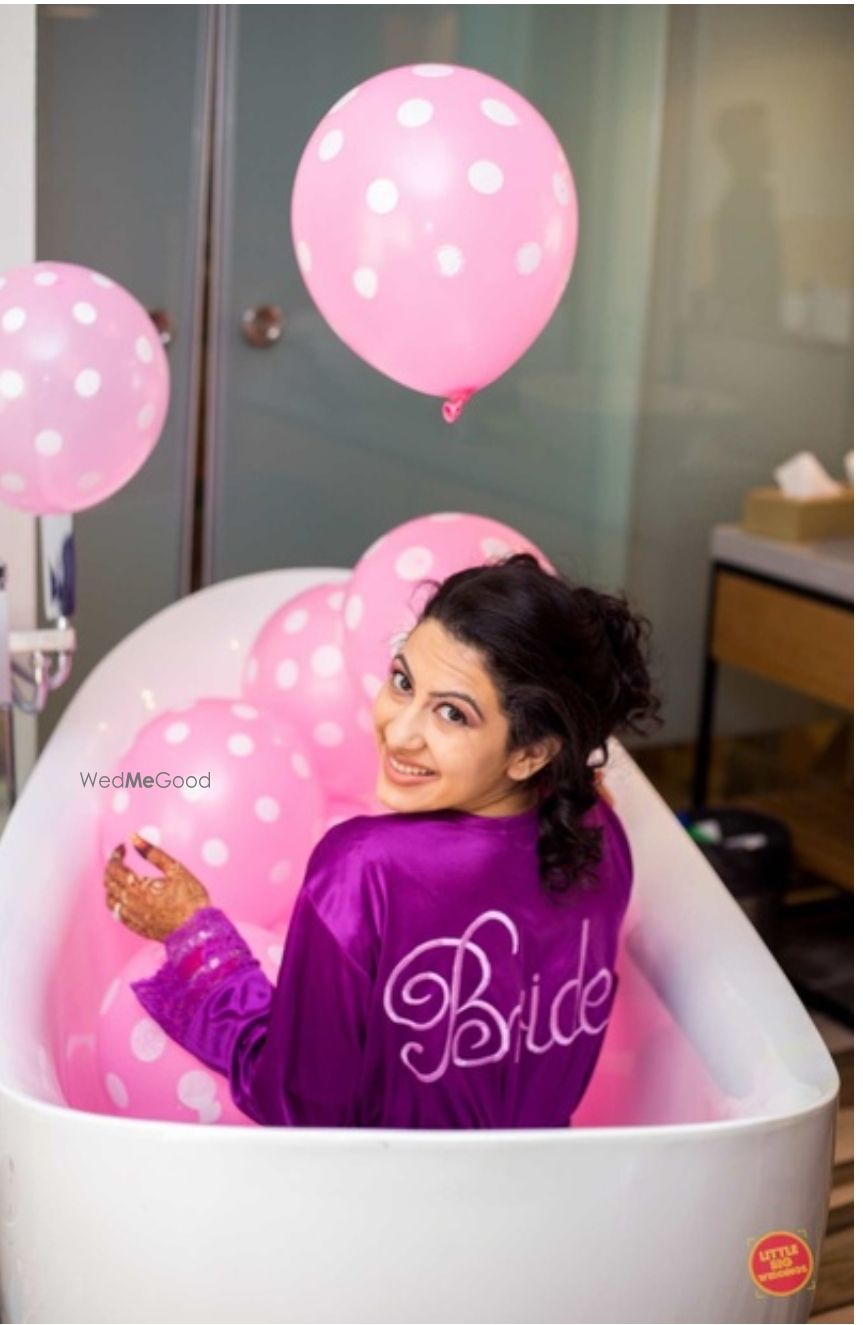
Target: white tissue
804,476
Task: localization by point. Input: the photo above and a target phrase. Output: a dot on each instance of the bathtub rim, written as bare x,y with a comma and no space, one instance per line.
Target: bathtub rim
657,1133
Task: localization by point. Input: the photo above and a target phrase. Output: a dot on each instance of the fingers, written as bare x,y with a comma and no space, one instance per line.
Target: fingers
154,854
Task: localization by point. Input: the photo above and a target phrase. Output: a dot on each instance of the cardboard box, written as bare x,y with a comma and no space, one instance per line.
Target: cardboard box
768,512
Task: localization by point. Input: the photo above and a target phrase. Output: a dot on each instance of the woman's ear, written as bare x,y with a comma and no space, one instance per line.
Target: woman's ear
534,757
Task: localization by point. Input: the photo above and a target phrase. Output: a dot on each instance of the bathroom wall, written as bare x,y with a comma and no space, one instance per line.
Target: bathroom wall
17,246
748,354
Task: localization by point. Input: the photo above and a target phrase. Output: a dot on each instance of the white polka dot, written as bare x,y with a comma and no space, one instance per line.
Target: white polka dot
354,611
415,113
210,1112
274,953
45,278
433,70
267,809
120,802
371,685
495,547
330,145
146,416
110,995
48,442
98,279
192,794
14,319
196,1089
335,600
11,384
485,177
447,515
244,710
498,112
280,871
147,1040
91,479
151,833
527,259
116,1089
449,259
295,621
240,744
366,282
364,720
252,670
343,101
300,765
177,732
215,851
382,196
328,734
144,349
304,256
327,660
87,382
12,482
561,187
287,674
84,313
414,563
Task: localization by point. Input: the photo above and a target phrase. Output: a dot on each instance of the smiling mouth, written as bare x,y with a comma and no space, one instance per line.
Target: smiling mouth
408,770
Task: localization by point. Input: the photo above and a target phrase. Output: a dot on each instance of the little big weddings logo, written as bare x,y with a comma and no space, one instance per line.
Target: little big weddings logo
160,779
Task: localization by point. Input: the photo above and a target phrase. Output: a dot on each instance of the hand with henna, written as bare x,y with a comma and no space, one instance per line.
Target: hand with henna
153,908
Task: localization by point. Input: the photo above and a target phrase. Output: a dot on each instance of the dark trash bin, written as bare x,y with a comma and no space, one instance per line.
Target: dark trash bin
753,855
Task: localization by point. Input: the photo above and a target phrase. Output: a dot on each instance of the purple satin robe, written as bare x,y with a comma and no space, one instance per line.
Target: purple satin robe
427,981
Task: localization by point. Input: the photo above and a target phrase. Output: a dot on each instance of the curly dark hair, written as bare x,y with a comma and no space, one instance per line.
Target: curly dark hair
565,660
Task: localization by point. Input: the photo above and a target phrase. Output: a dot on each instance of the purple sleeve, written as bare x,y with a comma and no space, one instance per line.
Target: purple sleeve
293,1053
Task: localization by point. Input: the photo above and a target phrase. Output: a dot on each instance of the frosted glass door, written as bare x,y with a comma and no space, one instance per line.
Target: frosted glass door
312,453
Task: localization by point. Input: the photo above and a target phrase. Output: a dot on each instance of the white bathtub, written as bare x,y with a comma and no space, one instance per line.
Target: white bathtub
708,1124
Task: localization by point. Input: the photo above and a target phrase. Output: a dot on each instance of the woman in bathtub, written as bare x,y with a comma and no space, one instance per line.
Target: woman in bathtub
451,964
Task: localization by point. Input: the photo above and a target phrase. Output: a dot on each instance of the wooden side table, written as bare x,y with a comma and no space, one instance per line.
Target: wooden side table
783,611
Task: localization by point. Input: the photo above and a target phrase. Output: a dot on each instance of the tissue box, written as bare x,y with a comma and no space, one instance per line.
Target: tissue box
767,511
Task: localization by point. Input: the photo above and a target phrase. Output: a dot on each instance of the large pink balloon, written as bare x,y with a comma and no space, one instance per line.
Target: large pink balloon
435,223
385,597
84,387
249,834
146,1074
296,670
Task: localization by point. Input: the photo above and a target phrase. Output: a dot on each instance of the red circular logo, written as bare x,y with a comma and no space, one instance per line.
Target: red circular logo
781,1263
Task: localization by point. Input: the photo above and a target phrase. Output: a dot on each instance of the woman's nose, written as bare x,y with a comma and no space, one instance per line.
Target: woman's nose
405,732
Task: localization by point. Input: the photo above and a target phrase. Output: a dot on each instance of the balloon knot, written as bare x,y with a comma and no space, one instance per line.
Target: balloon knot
453,407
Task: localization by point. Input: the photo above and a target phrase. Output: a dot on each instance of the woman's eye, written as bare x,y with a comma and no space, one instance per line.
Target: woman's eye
459,718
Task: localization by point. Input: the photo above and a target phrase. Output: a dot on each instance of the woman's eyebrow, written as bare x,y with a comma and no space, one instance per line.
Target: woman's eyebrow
441,694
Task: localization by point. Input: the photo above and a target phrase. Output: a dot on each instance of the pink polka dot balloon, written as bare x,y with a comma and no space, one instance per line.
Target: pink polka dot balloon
296,669
146,1074
385,597
248,834
435,222
84,387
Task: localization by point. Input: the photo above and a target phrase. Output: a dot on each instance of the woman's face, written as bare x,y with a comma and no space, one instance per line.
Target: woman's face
438,712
